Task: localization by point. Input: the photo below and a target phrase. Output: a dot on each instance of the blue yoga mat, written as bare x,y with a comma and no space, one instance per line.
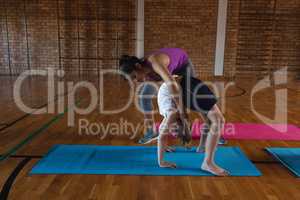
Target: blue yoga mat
289,157
137,160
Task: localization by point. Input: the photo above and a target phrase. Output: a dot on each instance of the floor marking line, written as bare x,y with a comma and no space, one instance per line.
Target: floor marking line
12,177
33,134
7,125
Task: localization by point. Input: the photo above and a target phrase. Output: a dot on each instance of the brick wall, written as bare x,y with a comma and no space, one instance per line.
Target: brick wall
262,35
269,36
66,34
232,32
186,24
286,35
17,37
42,33
4,69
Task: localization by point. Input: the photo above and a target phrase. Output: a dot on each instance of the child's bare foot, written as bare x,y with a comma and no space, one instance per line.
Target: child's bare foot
170,149
214,169
200,149
149,140
165,164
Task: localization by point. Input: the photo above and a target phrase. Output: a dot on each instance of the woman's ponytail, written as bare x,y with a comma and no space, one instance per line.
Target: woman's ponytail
127,64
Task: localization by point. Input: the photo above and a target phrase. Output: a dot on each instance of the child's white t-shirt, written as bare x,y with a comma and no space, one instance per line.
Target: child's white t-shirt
165,100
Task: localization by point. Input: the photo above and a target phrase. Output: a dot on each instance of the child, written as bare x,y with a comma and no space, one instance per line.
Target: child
170,124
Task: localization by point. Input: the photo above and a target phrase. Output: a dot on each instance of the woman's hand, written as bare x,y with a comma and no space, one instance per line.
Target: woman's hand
185,134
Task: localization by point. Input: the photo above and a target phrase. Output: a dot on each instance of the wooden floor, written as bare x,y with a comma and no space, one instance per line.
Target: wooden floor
276,182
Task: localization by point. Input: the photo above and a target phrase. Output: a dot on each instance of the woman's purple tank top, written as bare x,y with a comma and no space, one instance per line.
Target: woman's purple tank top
178,58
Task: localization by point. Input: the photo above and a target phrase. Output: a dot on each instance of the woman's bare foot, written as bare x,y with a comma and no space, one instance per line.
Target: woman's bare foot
214,169
165,164
200,149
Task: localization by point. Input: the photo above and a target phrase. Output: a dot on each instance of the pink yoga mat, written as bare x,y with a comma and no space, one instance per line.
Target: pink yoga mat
253,131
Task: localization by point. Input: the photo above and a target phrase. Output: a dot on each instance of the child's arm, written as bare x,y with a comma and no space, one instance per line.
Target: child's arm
161,148
162,139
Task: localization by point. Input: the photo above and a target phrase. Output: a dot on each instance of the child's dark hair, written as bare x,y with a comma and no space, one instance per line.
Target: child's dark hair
184,132
127,64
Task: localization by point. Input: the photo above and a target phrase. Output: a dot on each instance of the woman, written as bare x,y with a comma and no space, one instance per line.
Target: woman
161,65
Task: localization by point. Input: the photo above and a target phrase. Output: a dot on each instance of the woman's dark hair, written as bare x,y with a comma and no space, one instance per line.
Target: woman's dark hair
127,64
